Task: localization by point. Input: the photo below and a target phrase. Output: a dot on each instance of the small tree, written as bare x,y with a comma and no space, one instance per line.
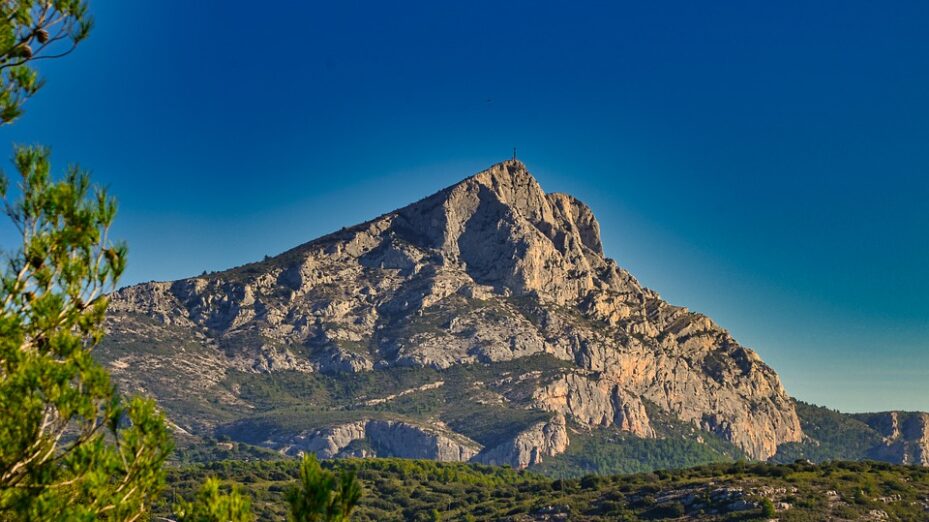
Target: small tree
34,30
70,448
767,508
212,505
321,495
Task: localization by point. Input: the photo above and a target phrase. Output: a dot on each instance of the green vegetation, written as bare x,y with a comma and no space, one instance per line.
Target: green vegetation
70,447
607,452
192,450
32,30
831,436
397,489
316,495
213,505
322,495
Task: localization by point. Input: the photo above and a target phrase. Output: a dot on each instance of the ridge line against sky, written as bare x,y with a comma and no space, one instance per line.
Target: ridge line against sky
763,164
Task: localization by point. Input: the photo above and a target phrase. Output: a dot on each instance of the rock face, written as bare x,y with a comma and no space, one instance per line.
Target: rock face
489,270
371,438
545,439
906,436
595,402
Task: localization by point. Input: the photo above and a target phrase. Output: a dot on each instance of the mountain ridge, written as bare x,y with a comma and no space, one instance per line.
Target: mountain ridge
489,271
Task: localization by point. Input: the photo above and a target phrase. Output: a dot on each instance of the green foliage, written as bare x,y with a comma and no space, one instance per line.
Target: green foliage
70,447
394,489
608,452
398,489
767,508
33,30
321,495
213,505
831,436
190,450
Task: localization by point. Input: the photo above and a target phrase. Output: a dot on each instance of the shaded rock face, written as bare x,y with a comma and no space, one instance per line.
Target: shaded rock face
380,438
532,446
513,272
906,436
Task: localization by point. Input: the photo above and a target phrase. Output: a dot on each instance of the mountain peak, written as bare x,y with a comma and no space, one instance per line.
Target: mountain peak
556,215
510,168
489,270
510,163
506,232
513,185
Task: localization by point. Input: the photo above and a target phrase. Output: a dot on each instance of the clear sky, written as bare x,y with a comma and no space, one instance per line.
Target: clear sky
766,163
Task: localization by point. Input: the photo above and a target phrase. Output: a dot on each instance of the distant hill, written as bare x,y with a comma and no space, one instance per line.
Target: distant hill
482,324
893,436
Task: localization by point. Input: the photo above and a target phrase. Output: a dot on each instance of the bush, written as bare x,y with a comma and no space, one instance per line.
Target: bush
767,508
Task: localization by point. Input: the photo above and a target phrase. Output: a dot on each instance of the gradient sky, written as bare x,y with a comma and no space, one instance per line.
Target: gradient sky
766,163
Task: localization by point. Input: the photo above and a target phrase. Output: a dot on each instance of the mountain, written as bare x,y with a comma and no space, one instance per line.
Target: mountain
482,323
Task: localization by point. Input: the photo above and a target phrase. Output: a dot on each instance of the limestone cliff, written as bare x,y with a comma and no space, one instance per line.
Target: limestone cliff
532,446
905,436
371,438
489,270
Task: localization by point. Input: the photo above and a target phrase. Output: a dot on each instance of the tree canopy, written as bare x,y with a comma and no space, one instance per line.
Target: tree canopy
32,30
321,495
70,446
213,505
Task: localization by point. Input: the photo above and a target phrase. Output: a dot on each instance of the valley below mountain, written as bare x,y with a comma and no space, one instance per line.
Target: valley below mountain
419,490
481,324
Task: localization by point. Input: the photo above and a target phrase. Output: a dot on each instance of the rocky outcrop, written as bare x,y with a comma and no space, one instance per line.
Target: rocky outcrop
380,438
595,401
545,439
491,269
906,436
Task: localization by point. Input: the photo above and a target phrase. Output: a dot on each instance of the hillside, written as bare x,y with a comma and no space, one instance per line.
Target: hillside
892,436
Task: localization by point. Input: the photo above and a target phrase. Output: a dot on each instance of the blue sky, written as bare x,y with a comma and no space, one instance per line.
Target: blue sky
764,163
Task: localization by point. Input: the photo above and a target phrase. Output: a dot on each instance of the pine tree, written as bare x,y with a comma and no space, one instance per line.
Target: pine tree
212,505
321,495
34,30
70,447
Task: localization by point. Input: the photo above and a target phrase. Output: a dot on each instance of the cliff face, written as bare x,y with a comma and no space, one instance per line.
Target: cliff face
372,438
897,437
532,446
489,270
905,436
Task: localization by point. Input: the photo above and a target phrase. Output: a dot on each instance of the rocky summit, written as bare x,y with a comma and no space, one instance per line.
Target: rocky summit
482,323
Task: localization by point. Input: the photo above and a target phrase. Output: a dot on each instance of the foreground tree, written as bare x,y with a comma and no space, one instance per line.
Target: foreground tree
213,505
321,495
70,447
33,30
